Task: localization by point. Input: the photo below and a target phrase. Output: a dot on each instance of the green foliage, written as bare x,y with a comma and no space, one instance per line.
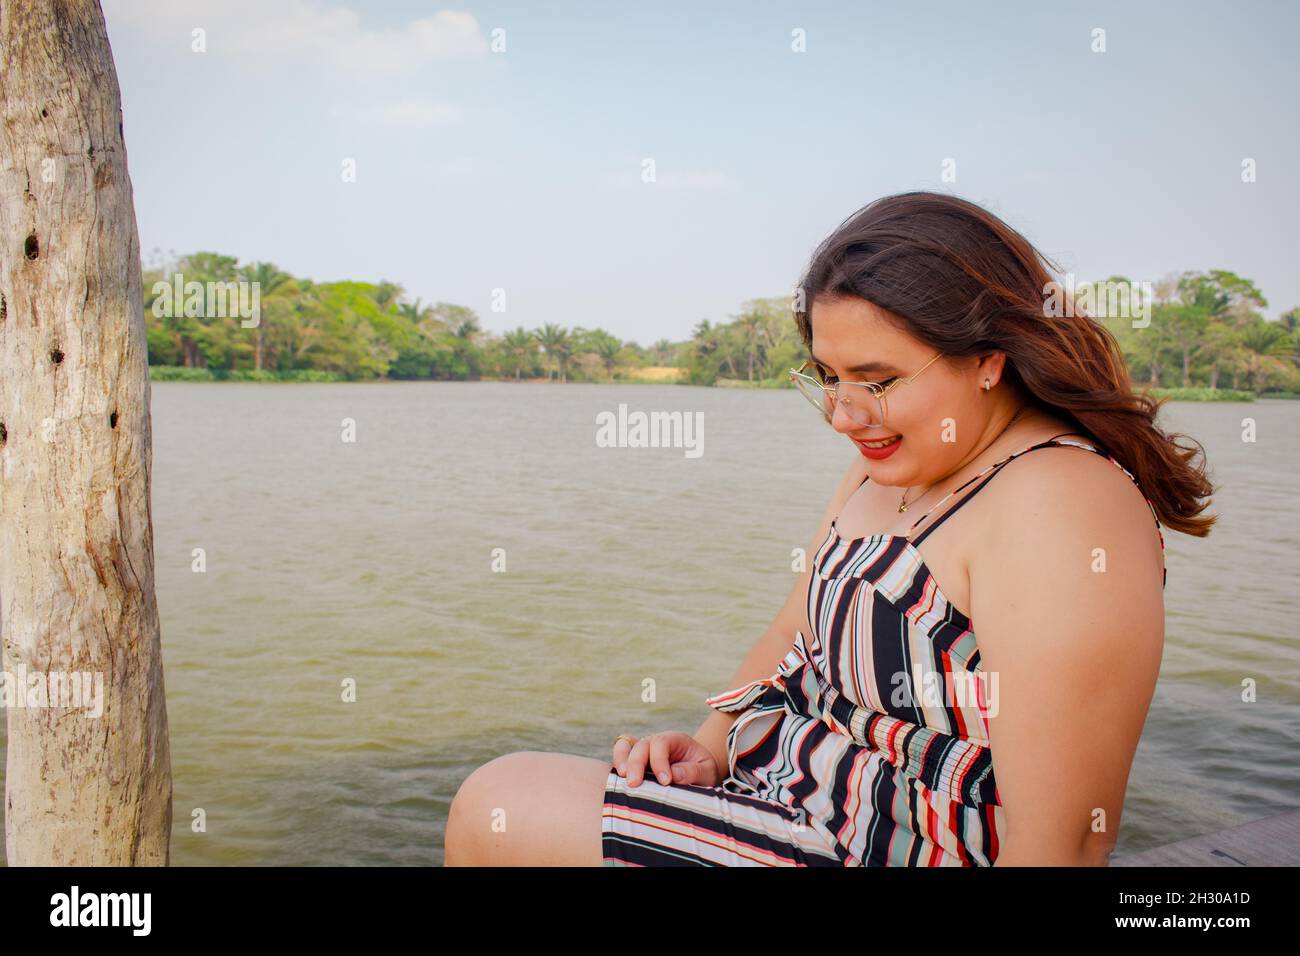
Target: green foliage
178,373
348,330
1205,338
1203,394
760,345
1205,331
293,375
428,359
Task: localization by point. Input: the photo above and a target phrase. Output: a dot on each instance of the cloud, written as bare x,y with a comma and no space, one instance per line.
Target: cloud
304,31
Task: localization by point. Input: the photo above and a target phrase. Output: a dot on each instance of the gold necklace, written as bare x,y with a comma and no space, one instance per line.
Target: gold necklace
902,505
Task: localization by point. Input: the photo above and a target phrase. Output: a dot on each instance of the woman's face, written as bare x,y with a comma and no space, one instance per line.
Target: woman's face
939,417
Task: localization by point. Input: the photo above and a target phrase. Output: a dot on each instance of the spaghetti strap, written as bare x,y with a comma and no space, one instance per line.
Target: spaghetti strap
995,468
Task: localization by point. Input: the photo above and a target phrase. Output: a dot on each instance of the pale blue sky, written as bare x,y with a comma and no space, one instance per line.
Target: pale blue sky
521,170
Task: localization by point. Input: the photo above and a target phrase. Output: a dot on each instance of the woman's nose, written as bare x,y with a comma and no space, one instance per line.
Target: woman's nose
840,420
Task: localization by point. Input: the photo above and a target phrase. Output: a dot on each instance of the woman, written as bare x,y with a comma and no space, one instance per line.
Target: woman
868,726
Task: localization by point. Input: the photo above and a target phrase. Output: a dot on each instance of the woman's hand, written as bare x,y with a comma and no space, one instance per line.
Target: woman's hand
674,757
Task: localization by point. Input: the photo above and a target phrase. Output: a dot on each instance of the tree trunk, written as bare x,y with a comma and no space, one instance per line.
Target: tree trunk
192,357
1214,375
76,531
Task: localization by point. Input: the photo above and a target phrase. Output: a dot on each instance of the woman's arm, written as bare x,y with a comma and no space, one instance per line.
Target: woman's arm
777,640
1067,606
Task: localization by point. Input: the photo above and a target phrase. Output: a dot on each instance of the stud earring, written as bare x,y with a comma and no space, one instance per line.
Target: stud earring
987,386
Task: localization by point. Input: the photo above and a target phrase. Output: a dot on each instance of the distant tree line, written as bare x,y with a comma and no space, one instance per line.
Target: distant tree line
1204,329
359,330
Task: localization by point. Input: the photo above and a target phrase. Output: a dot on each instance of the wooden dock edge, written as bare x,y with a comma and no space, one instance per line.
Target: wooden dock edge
1272,841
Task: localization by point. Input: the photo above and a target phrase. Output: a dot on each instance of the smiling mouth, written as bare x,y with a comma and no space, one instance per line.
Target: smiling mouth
880,444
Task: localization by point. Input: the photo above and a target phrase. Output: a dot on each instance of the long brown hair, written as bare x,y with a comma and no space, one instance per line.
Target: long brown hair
966,283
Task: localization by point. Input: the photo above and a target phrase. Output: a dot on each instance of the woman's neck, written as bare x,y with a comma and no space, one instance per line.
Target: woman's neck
1032,426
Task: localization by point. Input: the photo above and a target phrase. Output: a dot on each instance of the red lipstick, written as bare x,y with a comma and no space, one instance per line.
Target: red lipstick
878,454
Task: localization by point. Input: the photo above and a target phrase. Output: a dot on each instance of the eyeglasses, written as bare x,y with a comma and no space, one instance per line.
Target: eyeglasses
864,402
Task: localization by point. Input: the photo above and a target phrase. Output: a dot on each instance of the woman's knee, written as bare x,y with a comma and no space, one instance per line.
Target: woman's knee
477,805
522,807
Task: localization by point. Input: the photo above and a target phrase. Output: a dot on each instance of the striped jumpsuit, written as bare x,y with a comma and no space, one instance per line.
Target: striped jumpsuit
867,747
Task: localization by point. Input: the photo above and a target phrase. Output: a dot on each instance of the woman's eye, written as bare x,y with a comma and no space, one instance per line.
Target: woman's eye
887,381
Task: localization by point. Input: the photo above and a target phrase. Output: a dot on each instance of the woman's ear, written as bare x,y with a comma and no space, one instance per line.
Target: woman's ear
990,367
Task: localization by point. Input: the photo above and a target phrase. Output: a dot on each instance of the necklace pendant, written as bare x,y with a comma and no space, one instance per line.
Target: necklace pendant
902,508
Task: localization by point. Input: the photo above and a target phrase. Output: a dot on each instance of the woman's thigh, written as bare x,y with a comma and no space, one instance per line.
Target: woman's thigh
653,824
534,808
529,808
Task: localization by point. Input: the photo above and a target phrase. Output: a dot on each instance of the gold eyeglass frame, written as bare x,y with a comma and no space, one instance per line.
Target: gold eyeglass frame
832,391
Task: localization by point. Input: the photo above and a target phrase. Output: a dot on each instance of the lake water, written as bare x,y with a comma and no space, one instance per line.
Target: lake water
373,561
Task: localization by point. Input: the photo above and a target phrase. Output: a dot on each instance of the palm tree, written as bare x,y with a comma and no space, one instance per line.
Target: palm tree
468,330
1220,345
604,345
704,337
563,352
465,336
518,346
306,330
554,341
413,312
1263,343
386,294
268,280
1230,302
1293,346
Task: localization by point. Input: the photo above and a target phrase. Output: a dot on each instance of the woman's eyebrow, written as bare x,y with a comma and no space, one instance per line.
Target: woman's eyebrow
863,367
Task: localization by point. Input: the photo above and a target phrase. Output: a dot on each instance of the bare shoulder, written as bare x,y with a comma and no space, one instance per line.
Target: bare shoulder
1067,603
1065,486
1067,511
